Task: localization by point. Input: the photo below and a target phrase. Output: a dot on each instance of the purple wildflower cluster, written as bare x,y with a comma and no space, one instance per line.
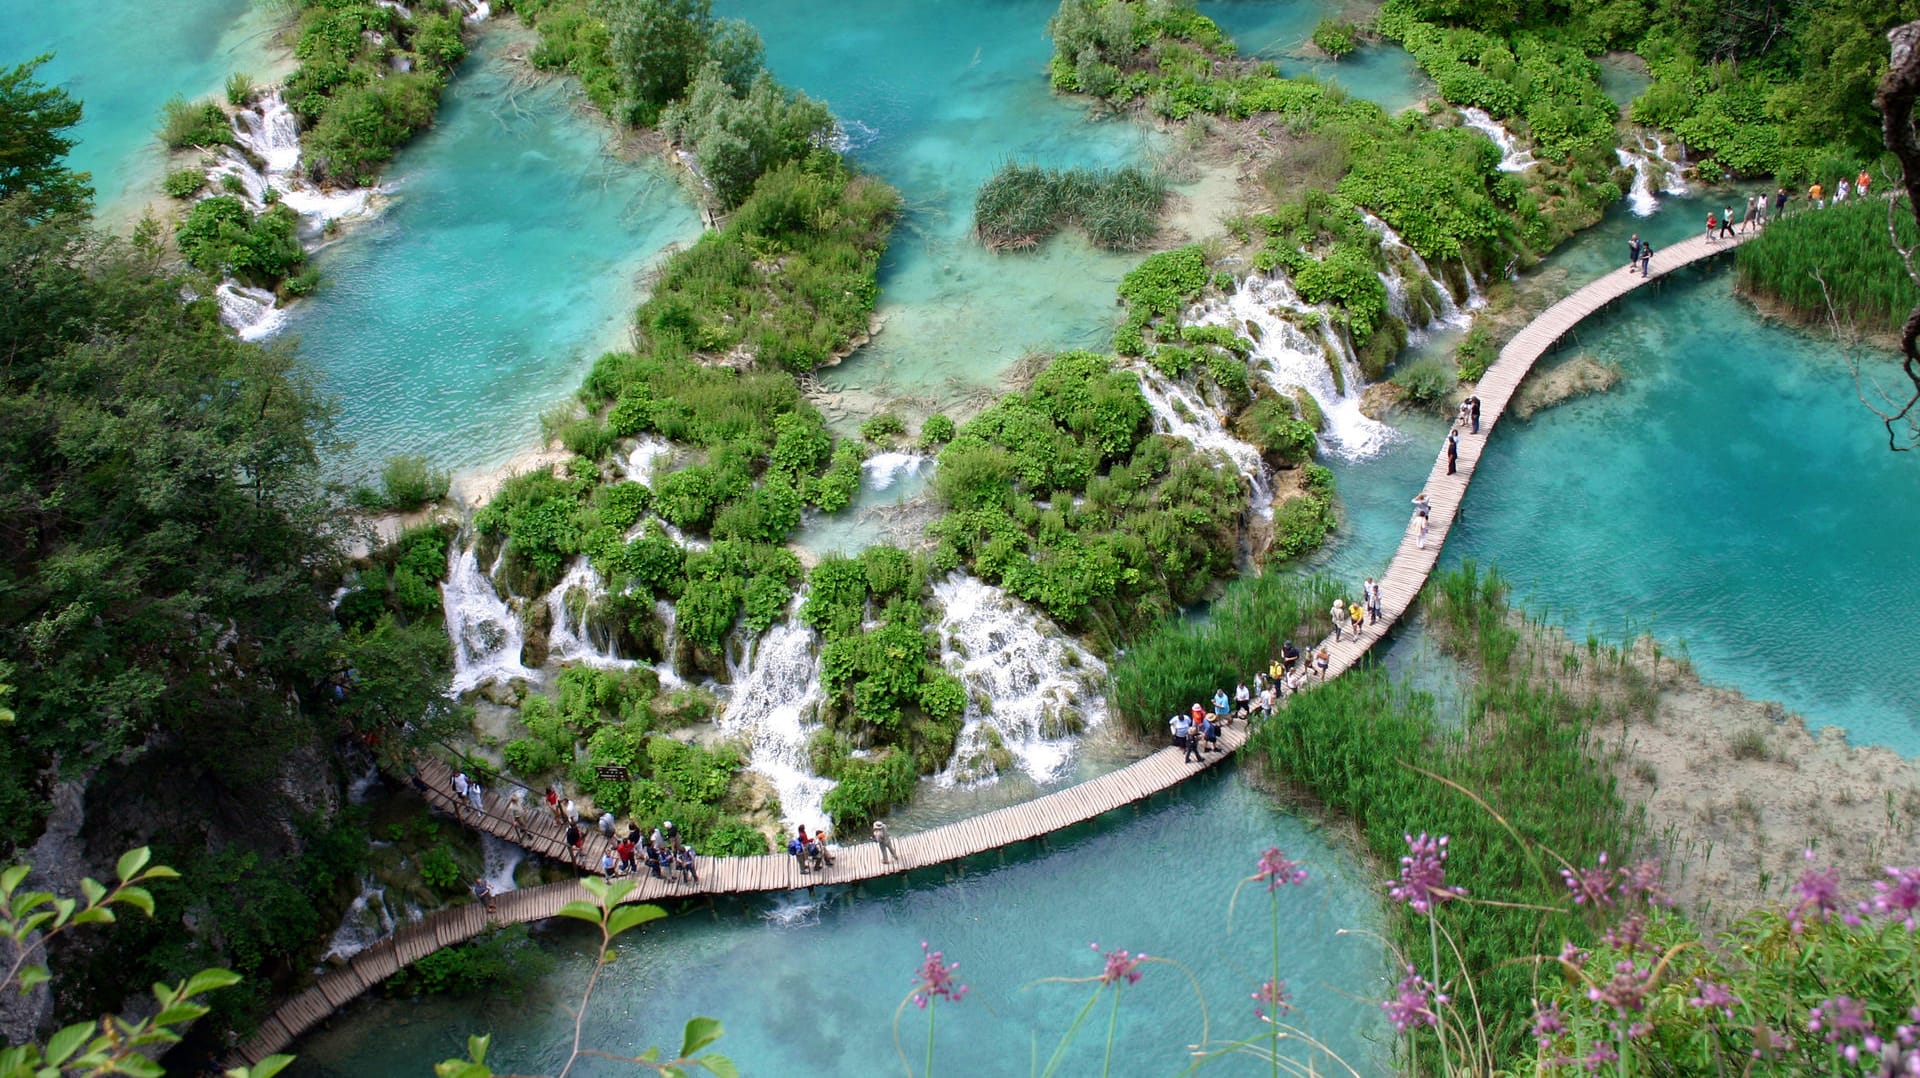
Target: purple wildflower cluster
1276,870
1899,899
1272,997
1423,874
1590,886
1845,1024
1120,966
934,979
1714,996
1414,1003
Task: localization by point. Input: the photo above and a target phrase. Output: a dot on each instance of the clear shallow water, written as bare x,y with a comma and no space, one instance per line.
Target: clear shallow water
1383,73
811,990
123,59
509,257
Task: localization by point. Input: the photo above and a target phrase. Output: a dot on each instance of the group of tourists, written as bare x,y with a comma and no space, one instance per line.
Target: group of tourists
1861,187
664,854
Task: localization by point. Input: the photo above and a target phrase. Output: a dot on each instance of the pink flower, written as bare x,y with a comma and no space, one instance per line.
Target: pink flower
1277,870
1272,996
1626,991
1423,874
934,979
1901,898
1413,1003
1819,892
1643,881
1712,995
1120,965
1590,886
1548,1023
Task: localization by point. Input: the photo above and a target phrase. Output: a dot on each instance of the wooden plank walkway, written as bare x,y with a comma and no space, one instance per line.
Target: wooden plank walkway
1412,563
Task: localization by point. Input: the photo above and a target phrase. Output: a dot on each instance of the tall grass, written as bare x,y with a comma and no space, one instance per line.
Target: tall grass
1185,661
1118,209
1846,246
1365,747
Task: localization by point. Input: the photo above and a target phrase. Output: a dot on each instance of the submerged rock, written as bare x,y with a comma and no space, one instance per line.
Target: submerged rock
1577,377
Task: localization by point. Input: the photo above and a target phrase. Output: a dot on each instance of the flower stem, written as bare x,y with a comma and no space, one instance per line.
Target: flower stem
1060,1050
932,1006
1113,1021
1273,904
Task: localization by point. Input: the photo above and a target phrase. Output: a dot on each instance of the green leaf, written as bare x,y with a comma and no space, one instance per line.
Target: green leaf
180,1012
65,908
10,878
266,1068
700,1033
477,1047
629,917
460,1068
93,890
581,911
720,1065
132,862
159,872
67,1041
207,980
94,917
141,1067
29,976
138,898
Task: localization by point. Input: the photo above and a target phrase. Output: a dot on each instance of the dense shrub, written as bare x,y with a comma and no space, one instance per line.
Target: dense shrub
503,961
221,236
737,137
1336,37
1426,381
1020,205
1302,523
197,123
183,183
1475,354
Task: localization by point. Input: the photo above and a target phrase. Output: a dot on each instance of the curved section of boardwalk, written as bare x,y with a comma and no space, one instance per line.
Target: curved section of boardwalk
1411,565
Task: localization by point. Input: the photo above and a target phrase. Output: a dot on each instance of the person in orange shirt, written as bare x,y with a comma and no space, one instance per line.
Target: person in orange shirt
1818,196
1864,181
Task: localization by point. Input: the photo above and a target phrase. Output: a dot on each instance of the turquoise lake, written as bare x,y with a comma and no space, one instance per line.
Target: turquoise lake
123,62
809,986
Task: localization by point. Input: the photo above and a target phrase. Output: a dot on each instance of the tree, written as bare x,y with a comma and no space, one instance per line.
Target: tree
1898,92
33,148
657,47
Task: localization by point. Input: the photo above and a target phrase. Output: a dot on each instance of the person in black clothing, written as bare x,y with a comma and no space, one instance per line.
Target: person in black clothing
1289,658
1474,404
1646,259
1453,449
577,842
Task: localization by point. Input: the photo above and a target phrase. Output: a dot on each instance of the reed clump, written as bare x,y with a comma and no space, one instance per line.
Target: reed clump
1834,262
1021,205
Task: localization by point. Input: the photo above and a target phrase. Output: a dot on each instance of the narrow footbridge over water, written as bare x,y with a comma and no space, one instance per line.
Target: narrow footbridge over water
1399,587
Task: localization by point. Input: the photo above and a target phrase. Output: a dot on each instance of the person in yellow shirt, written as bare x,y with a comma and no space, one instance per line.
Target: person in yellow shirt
1357,618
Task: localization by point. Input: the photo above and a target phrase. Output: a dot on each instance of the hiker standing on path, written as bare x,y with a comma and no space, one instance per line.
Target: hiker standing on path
577,842
483,891
1646,259
1751,220
553,806
885,840
1182,728
476,798
1338,614
1453,449
1726,222
1289,658
1422,509
459,795
1357,619
1370,593
1473,411
517,812
1633,251
1780,202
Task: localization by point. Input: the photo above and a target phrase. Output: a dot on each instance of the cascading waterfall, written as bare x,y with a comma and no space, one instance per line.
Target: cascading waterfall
1040,686
569,639
499,858
249,312
645,460
1653,172
1287,358
882,470
365,921
1513,156
486,633
776,692
1179,410
1447,313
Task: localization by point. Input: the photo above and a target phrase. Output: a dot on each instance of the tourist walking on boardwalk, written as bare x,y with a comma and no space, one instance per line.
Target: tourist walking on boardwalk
572,811
1646,260
553,806
1338,614
1751,220
577,842
884,840
652,857
517,812
1780,197
625,852
1243,699
460,795
1289,658
1182,727
1320,663
1633,250
476,798
1453,450
1473,411
606,823
1713,225
483,891
683,859
670,833
1370,591
1726,222
609,865
1357,619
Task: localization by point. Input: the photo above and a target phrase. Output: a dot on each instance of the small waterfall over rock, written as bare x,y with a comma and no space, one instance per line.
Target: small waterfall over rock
499,859
570,639
1179,410
250,312
1653,172
486,633
1446,312
1030,688
776,695
884,469
1513,156
1287,358
366,920
642,464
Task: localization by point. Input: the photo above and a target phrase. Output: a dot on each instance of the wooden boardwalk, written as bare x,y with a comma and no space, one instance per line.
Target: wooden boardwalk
1399,587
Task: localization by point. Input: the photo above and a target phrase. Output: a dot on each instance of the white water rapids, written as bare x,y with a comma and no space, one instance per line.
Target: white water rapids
1513,156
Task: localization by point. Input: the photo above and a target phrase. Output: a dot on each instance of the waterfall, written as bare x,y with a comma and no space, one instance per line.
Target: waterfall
486,633
1287,358
499,859
365,921
362,785
269,132
1653,172
1513,156
1030,688
884,469
1447,313
646,458
1179,411
569,639
776,691
250,312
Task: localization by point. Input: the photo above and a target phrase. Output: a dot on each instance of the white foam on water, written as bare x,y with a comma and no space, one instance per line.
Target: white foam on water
1648,159
365,921
499,859
646,458
1012,657
568,639
882,470
486,633
250,312
1513,156
1178,410
776,690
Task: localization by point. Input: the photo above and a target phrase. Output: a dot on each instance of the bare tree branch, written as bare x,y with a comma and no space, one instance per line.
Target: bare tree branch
1898,92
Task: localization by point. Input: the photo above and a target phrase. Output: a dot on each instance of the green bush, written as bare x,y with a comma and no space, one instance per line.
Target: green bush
738,137
883,428
502,962
1426,381
1475,354
1270,426
1336,37
240,89
409,482
938,430
197,123
183,183
868,787
1302,523
835,490
1020,205
220,236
